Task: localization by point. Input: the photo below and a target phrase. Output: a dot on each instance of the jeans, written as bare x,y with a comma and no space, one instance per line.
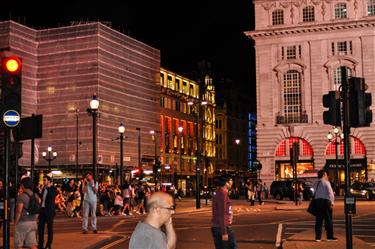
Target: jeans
324,213
219,243
89,206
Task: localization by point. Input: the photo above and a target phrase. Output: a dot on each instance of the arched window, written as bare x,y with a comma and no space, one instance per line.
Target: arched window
277,17
292,97
340,11
308,14
337,76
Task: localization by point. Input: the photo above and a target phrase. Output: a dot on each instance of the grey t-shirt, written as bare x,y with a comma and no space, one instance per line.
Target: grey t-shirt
24,199
146,236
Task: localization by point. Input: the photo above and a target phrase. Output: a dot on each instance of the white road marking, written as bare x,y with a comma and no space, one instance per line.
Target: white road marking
278,235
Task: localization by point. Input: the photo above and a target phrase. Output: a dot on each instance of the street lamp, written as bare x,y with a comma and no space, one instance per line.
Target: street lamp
336,137
180,129
121,130
197,104
77,146
49,156
93,111
237,141
156,163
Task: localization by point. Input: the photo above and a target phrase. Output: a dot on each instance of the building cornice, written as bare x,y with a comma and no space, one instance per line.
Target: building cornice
319,27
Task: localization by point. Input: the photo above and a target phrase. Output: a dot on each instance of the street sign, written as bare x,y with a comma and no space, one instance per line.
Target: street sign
11,118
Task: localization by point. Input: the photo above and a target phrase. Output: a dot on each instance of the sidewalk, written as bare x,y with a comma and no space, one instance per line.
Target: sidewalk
305,240
76,240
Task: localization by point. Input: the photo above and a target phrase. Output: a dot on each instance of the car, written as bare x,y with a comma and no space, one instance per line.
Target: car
284,189
363,190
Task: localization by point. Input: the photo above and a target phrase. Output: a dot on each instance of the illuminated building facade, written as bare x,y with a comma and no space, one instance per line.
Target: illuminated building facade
300,46
63,68
178,148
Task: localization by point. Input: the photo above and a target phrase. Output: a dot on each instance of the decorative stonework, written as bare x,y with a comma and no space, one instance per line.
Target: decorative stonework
311,29
267,6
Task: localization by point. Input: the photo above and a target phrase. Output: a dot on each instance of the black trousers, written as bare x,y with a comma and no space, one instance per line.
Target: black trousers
44,219
219,243
324,214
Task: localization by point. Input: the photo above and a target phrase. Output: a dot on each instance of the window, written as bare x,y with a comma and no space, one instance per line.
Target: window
371,7
291,52
191,90
184,88
337,76
170,83
277,17
177,85
342,48
340,11
161,79
161,101
292,97
308,14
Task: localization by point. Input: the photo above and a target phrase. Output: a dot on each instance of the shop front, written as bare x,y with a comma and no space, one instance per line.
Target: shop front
283,165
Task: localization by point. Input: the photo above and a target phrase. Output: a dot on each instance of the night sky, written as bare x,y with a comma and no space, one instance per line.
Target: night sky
186,31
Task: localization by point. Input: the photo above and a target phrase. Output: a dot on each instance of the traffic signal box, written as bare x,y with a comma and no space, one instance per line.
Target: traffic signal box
11,78
332,102
359,104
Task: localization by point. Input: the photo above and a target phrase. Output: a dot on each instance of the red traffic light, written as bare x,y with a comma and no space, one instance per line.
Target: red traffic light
11,65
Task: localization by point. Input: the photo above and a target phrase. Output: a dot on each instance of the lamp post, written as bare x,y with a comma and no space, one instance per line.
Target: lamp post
139,147
180,129
77,112
121,130
237,141
197,105
93,110
336,137
156,163
49,156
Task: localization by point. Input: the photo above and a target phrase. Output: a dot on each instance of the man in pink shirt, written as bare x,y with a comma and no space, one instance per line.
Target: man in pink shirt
222,215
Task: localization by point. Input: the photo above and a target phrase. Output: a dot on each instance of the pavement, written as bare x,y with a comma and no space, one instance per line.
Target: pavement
305,240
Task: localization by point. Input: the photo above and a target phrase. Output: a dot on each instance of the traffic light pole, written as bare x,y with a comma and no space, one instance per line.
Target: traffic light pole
6,230
348,201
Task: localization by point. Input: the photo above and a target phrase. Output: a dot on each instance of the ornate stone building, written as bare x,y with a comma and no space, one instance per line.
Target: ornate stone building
300,45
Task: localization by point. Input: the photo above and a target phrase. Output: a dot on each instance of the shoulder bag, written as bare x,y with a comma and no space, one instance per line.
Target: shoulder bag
313,207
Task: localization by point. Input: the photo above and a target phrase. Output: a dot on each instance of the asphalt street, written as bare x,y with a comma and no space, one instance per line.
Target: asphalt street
255,227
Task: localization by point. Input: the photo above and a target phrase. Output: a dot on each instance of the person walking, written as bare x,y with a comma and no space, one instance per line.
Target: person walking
259,187
47,212
250,192
222,215
90,190
325,200
26,226
148,234
265,190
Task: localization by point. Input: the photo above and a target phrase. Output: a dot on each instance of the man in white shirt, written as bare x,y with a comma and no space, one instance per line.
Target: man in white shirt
325,200
90,190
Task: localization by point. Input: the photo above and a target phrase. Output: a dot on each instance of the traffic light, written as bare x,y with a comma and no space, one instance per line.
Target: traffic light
11,77
333,115
360,102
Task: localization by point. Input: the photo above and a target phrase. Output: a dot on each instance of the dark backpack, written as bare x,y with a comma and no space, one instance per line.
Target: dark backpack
34,205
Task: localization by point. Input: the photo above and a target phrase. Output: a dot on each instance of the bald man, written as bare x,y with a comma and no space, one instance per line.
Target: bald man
147,234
